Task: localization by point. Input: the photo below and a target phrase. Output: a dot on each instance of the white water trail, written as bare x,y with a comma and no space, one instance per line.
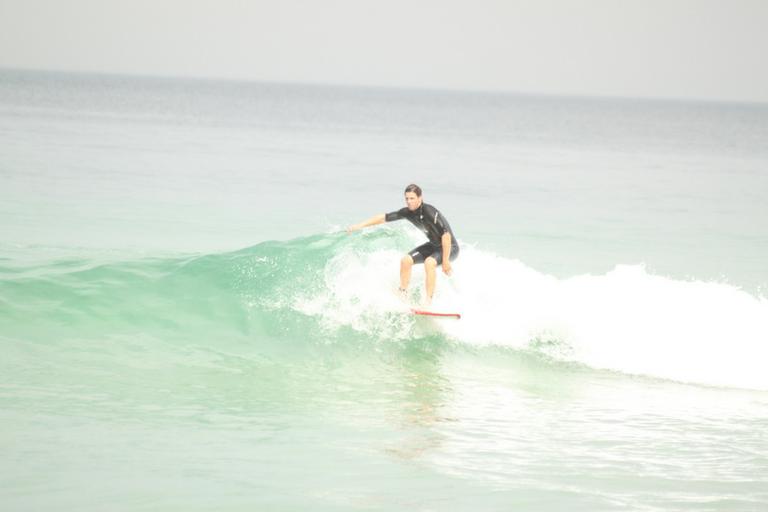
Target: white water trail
627,320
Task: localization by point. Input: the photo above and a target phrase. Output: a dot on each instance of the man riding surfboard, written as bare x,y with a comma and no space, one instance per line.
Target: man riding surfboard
441,249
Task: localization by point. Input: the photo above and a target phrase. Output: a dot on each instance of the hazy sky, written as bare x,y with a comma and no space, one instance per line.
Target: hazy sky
699,49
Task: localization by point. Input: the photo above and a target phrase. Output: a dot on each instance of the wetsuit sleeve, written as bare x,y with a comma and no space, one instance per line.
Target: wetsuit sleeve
399,214
437,219
442,226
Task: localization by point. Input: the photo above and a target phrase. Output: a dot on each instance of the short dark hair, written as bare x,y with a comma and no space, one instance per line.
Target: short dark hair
413,188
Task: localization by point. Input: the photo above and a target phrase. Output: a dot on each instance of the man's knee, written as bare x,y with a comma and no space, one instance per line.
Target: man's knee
430,262
407,260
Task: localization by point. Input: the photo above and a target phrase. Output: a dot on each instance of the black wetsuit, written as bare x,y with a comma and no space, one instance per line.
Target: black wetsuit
429,220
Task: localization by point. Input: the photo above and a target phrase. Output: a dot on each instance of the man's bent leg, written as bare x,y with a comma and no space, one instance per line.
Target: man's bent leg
405,271
430,264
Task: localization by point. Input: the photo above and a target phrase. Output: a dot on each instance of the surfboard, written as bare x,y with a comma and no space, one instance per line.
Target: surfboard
457,316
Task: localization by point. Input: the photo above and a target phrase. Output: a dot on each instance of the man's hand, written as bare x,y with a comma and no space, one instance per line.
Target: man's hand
376,219
445,241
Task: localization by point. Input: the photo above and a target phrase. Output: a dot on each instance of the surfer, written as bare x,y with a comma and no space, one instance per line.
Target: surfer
441,249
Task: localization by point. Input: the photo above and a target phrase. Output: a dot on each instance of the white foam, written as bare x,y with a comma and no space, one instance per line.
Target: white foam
359,292
626,320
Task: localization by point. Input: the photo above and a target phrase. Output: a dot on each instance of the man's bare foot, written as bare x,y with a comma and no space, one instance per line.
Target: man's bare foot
403,294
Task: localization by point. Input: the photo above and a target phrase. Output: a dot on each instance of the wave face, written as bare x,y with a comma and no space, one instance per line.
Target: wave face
335,289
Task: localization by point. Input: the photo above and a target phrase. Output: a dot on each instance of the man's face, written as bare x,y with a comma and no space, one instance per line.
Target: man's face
412,201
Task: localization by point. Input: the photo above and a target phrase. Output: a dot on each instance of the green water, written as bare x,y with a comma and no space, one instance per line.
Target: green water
185,326
190,383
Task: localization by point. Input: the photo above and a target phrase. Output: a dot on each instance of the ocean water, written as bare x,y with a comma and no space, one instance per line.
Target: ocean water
185,325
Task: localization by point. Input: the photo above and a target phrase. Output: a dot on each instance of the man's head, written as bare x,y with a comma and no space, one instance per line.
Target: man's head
413,197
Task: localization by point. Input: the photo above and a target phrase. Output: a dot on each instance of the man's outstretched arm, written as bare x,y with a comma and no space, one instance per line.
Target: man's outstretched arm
376,219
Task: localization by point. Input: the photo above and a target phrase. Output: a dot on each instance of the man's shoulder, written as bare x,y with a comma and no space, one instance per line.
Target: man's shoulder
403,212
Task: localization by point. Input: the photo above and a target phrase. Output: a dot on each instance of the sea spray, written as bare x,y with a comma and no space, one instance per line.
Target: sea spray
331,288
627,320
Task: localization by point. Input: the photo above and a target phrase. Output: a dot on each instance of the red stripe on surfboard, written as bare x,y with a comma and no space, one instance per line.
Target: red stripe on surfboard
431,313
